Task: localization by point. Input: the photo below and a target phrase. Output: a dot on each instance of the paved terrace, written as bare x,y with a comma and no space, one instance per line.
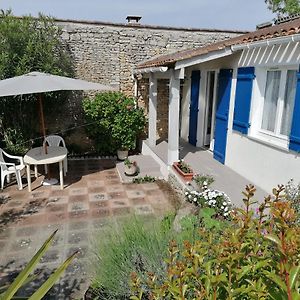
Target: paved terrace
92,199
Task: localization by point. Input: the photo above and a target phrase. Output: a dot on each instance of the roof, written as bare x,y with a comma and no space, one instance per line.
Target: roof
280,30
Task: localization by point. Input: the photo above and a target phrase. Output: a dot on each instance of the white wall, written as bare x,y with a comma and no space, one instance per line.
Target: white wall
264,166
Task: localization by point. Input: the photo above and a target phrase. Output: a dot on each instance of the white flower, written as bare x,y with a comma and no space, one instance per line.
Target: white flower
226,208
224,203
204,183
190,196
195,199
186,193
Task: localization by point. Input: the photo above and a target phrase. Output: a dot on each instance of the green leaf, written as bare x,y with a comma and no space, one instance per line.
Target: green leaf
41,292
293,276
272,238
21,278
276,279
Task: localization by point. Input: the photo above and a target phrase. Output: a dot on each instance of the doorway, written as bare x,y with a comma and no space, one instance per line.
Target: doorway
210,108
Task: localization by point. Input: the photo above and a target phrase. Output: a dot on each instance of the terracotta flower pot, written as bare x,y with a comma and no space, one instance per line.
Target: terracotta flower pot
186,176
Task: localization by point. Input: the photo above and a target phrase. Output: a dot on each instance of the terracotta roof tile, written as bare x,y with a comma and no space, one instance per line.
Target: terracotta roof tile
283,29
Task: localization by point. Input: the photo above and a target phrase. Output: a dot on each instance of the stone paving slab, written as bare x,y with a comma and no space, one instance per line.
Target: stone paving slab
92,199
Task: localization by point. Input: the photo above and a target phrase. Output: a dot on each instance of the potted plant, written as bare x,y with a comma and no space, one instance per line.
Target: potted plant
129,122
130,167
116,122
184,170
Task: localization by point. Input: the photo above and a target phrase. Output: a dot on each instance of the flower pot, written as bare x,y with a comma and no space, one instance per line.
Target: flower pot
131,170
186,176
122,154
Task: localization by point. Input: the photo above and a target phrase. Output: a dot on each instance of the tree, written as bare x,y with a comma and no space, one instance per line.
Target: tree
28,44
284,7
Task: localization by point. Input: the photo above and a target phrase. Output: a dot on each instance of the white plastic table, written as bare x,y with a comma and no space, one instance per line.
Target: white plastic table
37,156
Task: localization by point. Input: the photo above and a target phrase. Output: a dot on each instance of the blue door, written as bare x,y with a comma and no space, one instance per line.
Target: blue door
195,87
224,88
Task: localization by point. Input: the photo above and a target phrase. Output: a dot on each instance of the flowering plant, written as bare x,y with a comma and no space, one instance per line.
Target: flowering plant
128,163
211,198
202,181
184,167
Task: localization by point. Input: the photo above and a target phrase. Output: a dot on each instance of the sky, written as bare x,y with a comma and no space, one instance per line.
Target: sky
212,14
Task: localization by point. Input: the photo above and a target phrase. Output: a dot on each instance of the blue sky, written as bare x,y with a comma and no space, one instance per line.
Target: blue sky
219,14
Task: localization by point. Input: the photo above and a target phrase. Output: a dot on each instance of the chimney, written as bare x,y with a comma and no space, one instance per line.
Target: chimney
133,20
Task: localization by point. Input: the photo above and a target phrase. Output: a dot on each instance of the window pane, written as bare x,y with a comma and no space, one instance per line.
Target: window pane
289,98
271,100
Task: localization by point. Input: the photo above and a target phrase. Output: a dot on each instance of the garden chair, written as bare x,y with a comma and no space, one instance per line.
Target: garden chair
56,140
8,168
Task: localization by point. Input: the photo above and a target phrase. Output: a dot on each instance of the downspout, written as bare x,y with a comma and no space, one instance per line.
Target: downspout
135,88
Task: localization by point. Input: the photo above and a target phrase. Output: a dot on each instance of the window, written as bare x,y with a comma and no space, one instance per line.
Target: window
279,96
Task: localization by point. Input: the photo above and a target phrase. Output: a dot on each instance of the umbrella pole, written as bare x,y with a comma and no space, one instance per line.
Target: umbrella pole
42,120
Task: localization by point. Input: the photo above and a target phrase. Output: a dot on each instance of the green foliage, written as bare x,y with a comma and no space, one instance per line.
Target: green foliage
29,44
254,257
203,181
116,121
284,7
292,194
184,167
144,179
15,143
132,246
24,277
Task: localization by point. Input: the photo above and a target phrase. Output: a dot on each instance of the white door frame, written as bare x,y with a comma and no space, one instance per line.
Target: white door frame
209,139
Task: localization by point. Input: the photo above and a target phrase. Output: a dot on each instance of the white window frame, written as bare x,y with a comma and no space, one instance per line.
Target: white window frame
257,105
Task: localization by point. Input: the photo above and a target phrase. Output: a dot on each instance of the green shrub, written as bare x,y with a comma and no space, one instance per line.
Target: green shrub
202,181
292,194
131,246
256,257
30,44
115,121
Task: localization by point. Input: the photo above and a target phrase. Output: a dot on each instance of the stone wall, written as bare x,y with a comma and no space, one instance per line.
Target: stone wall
107,53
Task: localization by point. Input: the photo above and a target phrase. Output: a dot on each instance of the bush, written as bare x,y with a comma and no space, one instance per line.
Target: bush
132,246
29,44
115,121
215,199
292,194
256,257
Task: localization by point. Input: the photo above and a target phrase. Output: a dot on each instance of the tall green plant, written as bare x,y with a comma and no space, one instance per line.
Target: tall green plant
29,44
257,257
115,121
24,277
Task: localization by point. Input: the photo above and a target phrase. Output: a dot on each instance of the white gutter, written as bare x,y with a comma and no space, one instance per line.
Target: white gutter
273,41
150,70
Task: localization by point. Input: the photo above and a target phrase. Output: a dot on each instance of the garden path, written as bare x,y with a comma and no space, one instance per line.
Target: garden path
92,199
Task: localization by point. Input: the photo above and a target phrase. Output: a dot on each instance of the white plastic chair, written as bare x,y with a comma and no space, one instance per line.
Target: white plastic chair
11,168
56,140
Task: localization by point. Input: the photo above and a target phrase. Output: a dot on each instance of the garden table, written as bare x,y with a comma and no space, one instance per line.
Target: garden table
37,156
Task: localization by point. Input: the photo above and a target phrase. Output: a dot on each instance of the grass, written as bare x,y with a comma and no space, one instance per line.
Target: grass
132,246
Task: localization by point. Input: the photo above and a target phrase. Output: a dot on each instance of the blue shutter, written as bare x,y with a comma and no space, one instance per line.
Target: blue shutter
242,103
193,124
295,130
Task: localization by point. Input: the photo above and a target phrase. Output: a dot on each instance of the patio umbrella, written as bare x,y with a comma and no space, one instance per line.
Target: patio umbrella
38,83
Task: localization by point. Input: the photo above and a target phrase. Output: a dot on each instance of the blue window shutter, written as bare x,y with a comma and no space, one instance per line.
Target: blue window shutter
243,95
295,130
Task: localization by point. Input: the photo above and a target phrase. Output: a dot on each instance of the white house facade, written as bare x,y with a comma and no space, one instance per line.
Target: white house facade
239,99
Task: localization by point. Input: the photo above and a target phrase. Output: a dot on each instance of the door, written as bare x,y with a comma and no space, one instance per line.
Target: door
223,98
210,108
193,124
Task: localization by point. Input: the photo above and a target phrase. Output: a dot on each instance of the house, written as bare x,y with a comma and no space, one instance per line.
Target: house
239,99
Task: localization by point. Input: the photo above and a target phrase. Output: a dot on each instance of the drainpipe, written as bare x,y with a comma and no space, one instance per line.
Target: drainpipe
135,88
